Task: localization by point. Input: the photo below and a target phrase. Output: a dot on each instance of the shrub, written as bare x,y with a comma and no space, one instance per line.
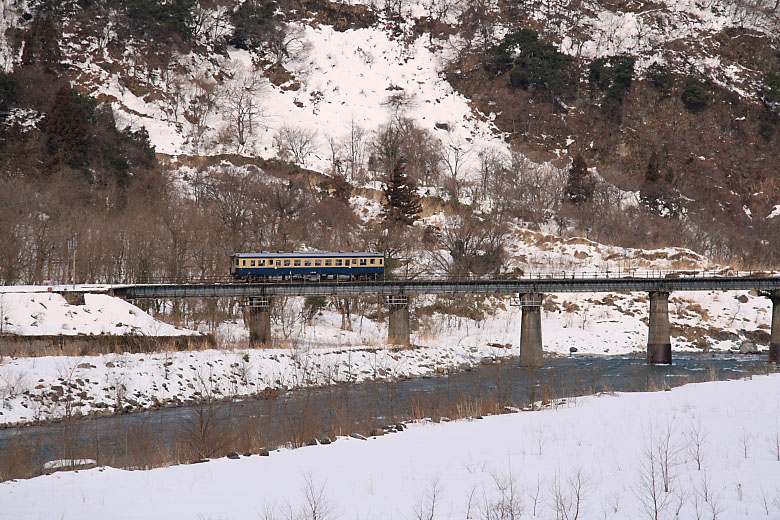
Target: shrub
696,94
771,92
160,20
254,23
530,62
614,76
9,90
660,77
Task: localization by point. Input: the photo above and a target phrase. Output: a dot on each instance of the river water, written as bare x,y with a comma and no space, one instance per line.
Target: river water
296,416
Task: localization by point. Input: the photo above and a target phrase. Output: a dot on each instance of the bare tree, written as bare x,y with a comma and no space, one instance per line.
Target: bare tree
241,105
425,508
568,497
651,489
355,145
295,143
202,104
695,438
455,153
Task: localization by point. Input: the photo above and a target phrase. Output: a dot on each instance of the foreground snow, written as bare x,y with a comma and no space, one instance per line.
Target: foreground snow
522,462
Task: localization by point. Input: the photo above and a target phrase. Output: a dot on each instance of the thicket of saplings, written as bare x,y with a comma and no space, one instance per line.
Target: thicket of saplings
212,428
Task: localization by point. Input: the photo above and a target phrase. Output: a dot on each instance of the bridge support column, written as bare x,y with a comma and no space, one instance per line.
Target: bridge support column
531,350
398,322
257,315
659,342
774,340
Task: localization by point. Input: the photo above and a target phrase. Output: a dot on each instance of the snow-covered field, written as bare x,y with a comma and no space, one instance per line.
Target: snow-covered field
608,457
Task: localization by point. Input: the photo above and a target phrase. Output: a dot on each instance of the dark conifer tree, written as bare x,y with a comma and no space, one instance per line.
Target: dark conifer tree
579,186
402,203
67,131
41,44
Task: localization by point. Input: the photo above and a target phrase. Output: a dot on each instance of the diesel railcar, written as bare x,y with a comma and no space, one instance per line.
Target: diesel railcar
313,265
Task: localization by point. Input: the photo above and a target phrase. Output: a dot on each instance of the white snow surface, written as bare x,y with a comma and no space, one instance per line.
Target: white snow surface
30,313
457,469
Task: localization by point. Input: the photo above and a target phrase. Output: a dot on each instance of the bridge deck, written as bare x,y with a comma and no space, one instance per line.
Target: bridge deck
560,284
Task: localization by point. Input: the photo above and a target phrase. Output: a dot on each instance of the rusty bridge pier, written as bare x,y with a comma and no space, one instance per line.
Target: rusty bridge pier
659,342
257,315
398,320
531,350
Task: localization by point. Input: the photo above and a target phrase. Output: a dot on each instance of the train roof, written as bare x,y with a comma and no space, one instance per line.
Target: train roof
309,254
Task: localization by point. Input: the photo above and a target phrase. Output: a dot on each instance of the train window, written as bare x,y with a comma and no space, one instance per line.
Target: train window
328,262
297,263
252,263
372,261
243,263
307,263
317,263
287,263
381,261
261,262
278,263
354,261
362,261
338,262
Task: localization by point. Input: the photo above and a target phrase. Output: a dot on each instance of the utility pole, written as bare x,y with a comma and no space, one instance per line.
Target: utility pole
72,246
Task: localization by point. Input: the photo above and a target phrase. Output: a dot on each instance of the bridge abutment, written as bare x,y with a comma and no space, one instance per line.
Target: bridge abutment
659,342
257,315
774,340
398,320
531,350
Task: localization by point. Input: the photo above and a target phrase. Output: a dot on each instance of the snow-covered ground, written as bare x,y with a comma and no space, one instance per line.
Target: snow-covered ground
30,313
606,457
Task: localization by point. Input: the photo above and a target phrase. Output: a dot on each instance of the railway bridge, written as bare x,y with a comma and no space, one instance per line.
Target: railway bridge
529,290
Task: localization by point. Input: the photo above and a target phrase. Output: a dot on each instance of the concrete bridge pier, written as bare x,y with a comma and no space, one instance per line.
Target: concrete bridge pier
774,340
398,322
531,350
257,315
659,342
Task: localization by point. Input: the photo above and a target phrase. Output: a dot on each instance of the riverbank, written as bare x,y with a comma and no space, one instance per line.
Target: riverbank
45,389
597,453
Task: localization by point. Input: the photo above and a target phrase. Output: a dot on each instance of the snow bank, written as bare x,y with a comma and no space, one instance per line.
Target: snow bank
46,313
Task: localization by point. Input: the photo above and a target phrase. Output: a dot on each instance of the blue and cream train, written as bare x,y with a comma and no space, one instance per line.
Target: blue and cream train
314,265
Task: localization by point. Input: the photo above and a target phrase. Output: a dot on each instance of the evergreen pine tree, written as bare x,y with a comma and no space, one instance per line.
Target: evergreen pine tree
67,131
41,44
402,203
579,186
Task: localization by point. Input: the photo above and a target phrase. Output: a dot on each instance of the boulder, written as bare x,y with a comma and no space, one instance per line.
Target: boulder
573,349
357,436
312,442
486,361
325,440
264,453
233,455
400,427
377,432
748,347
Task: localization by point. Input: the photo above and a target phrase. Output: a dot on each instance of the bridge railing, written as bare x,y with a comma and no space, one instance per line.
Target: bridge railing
519,276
